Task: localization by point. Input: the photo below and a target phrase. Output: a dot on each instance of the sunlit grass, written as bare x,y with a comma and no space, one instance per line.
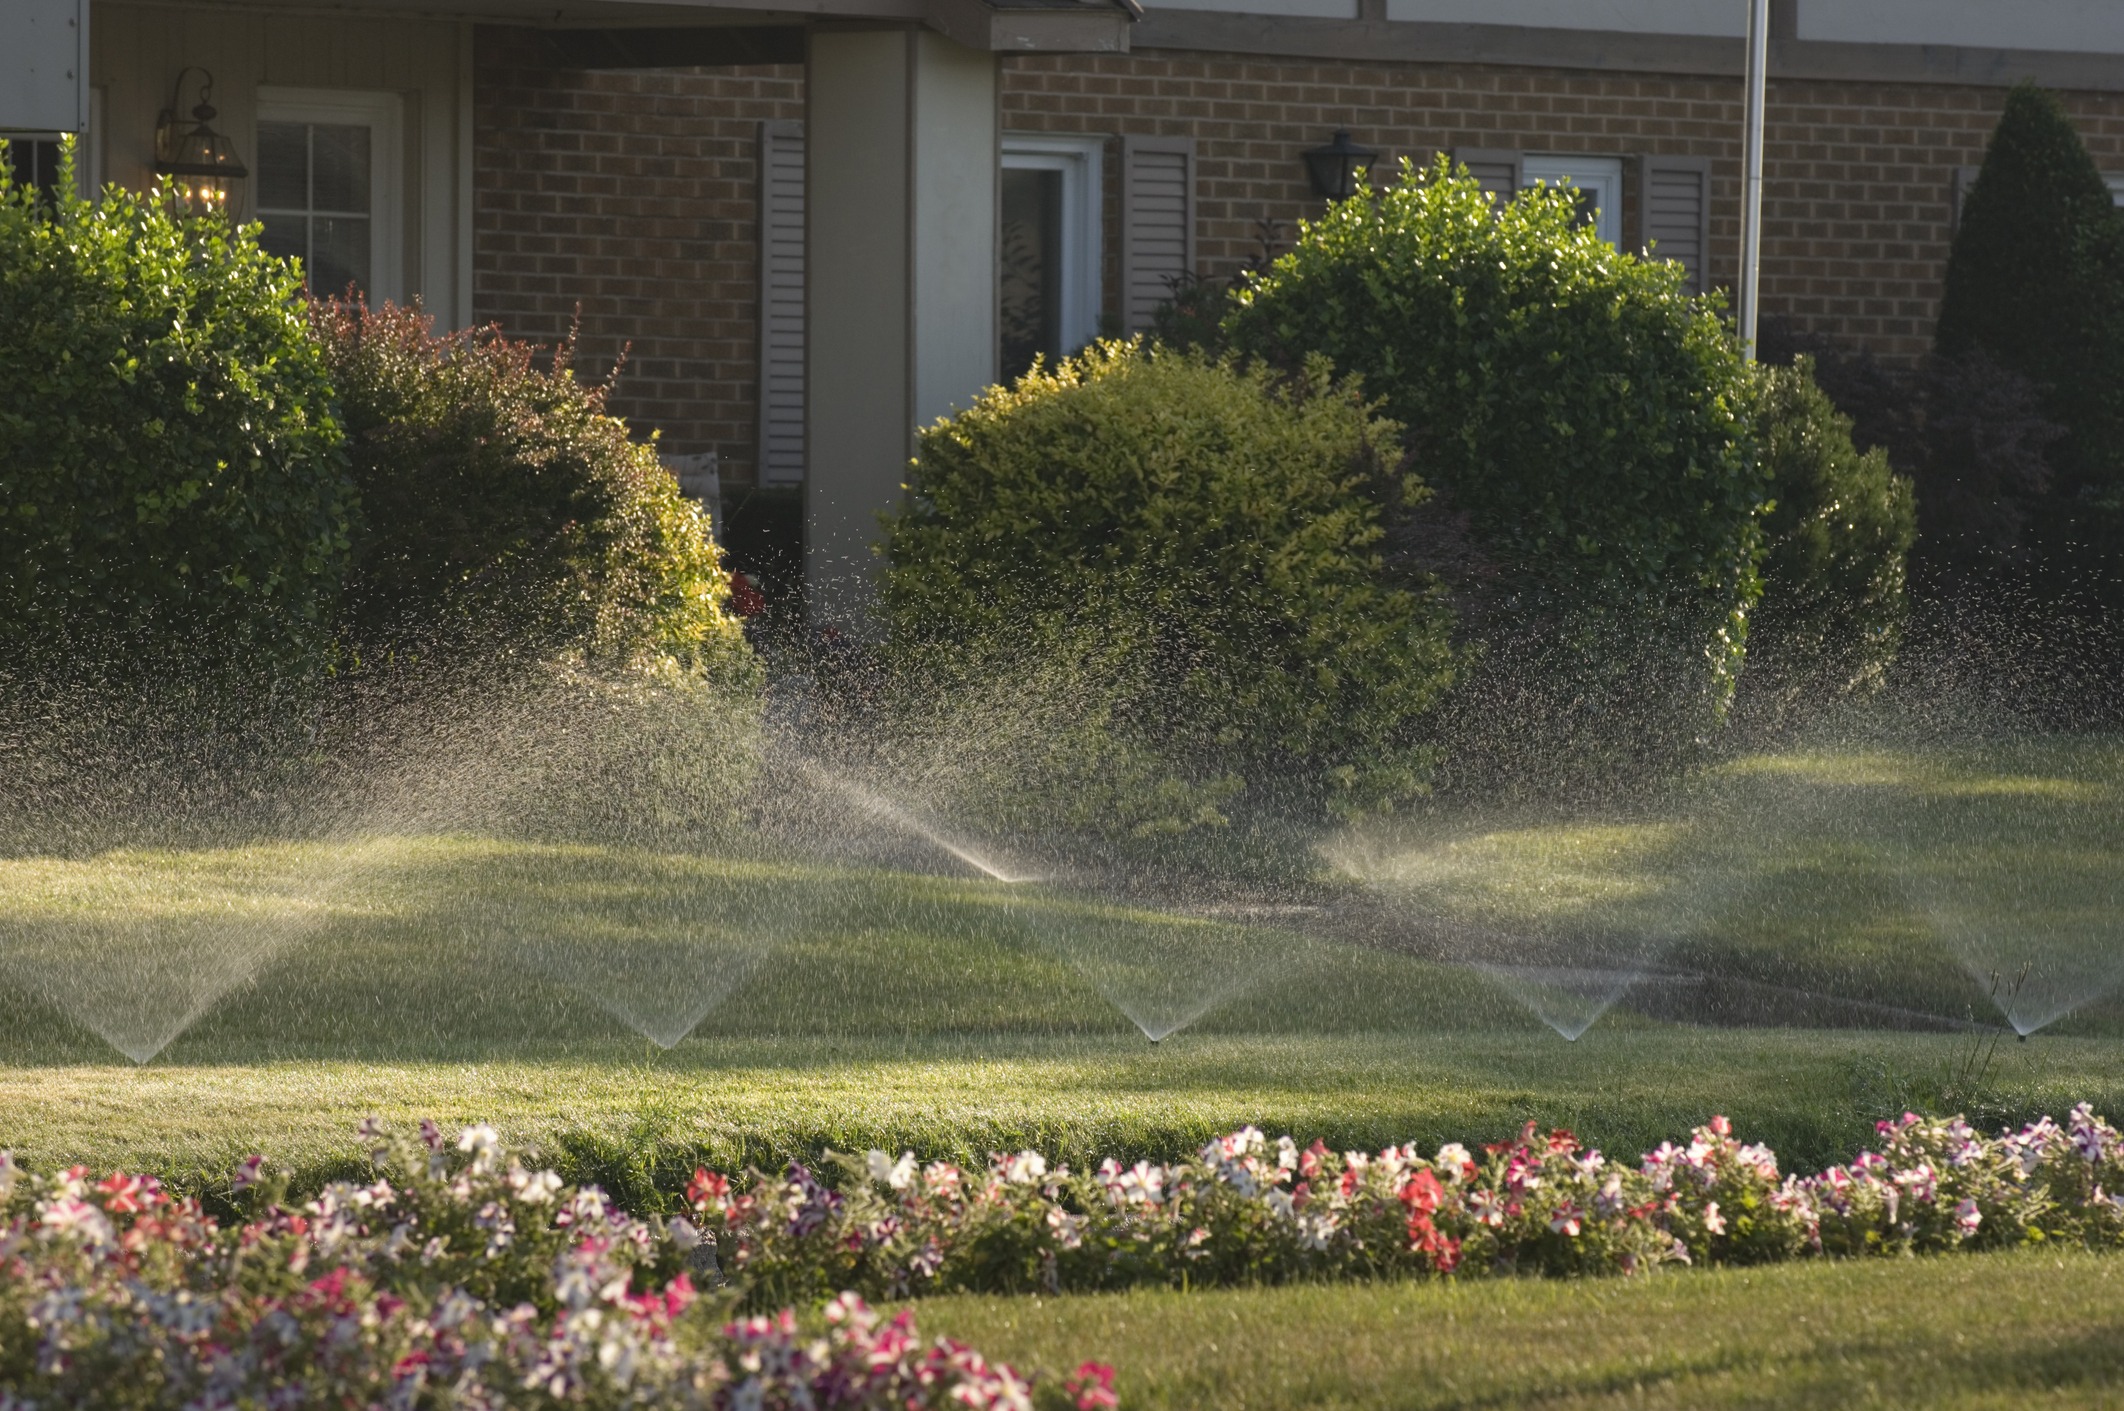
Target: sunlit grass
1989,1330
301,985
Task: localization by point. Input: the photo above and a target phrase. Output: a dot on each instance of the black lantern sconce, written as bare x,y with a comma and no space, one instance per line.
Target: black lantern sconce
1333,169
203,161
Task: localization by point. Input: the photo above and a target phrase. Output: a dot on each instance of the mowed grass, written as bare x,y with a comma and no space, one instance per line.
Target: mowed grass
1968,1331
285,990
630,1009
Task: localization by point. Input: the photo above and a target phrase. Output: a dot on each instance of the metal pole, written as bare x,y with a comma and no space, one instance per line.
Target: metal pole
1752,171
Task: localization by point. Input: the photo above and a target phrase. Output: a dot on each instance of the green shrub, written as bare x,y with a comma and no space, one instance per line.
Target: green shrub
1839,534
2035,278
501,502
172,484
1163,574
1585,414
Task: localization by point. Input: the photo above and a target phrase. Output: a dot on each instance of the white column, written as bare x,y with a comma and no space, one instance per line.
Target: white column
900,281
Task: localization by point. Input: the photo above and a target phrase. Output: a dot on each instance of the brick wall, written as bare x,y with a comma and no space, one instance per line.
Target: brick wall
632,195
1858,176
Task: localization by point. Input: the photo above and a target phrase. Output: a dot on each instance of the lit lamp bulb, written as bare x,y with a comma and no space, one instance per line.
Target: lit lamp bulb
194,150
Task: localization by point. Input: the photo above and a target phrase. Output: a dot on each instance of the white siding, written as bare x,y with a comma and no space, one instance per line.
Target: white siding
2067,26
1712,17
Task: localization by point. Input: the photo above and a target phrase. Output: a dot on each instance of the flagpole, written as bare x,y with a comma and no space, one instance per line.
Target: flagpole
1752,171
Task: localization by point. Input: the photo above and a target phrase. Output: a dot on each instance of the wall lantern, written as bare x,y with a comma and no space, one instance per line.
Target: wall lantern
1333,168
203,161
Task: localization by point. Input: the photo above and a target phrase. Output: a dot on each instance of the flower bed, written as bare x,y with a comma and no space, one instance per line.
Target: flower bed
460,1277
1250,1211
456,1279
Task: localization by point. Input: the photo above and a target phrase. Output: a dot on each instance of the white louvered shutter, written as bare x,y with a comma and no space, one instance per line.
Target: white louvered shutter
1157,223
1498,172
781,448
1676,213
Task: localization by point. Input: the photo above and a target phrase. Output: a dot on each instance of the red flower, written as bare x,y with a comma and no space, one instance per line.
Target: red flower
1421,1192
123,1194
1426,1238
1091,1387
707,1189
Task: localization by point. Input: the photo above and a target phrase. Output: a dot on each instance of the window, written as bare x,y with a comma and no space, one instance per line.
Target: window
1047,254
327,187
34,161
1598,181
1673,195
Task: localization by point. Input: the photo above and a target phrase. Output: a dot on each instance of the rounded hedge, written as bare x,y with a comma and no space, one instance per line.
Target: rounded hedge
502,504
172,482
1170,568
1586,414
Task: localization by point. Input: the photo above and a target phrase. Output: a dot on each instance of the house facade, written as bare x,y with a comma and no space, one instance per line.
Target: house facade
814,224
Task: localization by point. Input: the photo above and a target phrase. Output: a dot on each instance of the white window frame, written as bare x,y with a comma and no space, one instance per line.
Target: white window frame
88,147
1078,160
384,115
1601,177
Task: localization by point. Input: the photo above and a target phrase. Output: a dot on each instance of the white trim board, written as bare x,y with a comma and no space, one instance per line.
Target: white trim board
1079,160
1720,18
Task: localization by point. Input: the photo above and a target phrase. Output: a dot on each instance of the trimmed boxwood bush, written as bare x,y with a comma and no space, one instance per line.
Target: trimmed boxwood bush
172,483
1584,413
1839,534
1164,572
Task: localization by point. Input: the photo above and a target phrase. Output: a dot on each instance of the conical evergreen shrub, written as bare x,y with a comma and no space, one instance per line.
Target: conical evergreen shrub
2036,281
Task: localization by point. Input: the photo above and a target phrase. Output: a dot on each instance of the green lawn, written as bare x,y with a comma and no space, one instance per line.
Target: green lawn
631,1009
1992,1330
286,989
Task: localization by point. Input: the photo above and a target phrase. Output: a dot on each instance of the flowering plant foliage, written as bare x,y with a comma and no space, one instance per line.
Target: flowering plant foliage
458,1278
1246,1210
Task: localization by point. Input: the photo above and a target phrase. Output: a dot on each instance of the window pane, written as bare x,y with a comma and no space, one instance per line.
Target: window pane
285,236
283,166
342,167
1030,287
339,255
34,162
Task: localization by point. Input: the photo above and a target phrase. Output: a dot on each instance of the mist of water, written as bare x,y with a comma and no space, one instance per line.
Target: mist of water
137,953
876,806
1569,1001
2040,936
